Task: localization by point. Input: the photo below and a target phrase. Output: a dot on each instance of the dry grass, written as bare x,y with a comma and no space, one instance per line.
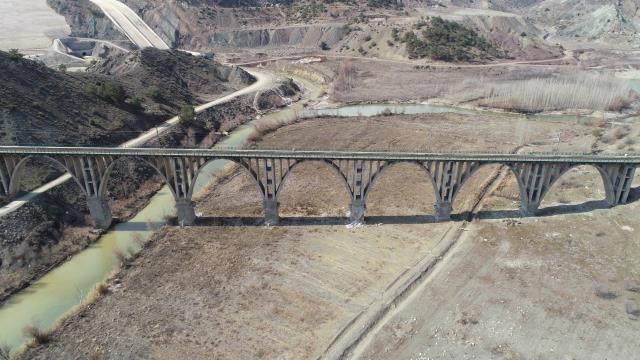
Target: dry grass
102,288
4,352
38,336
575,91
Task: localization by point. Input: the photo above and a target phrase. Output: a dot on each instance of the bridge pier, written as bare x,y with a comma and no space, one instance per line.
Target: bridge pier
100,210
443,210
185,211
271,216
358,207
529,209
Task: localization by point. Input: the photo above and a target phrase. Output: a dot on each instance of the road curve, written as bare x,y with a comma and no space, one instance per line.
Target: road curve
131,24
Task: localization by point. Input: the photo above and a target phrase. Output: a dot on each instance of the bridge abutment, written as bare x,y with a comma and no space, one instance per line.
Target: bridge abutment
443,210
358,207
271,216
186,212
100,210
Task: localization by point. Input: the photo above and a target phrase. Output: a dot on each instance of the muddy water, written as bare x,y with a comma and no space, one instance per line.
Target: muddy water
62,289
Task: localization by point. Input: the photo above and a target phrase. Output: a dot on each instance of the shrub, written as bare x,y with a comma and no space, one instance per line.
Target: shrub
324,46
102,289
136,105
62,68
154,93
187,115
110,90
14,54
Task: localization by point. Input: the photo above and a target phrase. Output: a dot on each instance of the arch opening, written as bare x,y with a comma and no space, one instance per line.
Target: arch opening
231,191
500,195
401,189
581,187
314,188
130,182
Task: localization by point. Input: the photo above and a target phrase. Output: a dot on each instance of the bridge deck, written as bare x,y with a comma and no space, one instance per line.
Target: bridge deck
330,154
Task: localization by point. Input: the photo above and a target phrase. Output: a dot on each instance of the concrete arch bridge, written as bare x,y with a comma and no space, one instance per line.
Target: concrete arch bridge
536,173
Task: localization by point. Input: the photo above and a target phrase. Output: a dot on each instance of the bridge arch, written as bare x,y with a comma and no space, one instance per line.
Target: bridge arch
15,180
107,174
606,182
473,176
330,165
244,166
387,169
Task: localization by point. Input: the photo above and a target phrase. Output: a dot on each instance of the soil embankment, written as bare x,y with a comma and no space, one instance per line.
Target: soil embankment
287,291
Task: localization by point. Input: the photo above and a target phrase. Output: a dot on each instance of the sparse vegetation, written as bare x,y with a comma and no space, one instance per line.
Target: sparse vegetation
153,92
111,90
448,41
14,54
398,4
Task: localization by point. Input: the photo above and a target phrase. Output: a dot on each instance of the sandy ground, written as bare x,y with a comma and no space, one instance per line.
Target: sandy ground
29,24
239,292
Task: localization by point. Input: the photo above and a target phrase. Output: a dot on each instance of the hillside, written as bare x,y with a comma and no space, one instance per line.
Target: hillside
110,103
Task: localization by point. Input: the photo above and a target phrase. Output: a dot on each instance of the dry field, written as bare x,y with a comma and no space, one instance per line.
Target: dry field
520,88
218,290
565,285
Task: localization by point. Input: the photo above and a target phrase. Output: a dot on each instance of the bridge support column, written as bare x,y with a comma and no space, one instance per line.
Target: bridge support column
618,180
185,211
443,210
271,216
358,208
100,210
529,208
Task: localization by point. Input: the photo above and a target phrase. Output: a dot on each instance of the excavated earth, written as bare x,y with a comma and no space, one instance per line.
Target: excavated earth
287,291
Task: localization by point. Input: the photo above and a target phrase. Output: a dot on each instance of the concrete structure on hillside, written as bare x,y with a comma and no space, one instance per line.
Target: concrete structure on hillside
358,172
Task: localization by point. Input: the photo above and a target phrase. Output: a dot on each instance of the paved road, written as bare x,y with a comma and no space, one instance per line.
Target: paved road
130,24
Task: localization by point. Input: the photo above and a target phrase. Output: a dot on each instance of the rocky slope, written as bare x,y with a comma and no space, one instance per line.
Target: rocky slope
179,77
41,106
